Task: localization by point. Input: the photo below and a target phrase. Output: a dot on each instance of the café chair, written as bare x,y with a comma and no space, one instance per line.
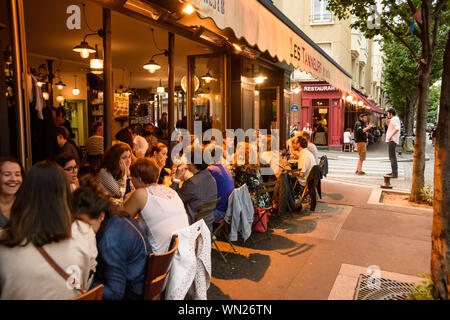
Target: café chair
263,213
205,210
93,294
312,184
157,270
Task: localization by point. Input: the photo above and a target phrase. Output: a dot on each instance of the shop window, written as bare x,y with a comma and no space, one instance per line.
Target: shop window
320,102
207,86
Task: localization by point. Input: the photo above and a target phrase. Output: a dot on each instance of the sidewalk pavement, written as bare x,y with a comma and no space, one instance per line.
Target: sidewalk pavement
319,255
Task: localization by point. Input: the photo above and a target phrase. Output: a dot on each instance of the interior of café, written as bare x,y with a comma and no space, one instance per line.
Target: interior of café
140,68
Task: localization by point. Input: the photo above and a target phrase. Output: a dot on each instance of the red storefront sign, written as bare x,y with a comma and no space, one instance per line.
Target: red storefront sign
322,109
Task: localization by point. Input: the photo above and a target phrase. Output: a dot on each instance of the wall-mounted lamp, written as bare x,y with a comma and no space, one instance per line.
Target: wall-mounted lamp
84,48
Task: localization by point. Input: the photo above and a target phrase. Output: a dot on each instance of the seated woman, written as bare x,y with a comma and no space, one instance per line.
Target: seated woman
113,175
40,218
122,246
68,162
249,173
348,137
158,152
161,209
11,176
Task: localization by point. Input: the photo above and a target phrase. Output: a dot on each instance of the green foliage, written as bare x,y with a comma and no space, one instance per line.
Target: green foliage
427,194
423,291
433,103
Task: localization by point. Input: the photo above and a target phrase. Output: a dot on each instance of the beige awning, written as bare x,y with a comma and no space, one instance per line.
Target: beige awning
264,26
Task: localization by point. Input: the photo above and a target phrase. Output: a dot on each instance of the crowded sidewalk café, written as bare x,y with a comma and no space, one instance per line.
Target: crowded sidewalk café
131,129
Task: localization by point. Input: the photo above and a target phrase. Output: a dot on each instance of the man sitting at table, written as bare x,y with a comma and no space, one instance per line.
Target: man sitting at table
306,160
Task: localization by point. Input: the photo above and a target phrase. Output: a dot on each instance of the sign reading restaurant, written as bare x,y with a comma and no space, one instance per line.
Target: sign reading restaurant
319,88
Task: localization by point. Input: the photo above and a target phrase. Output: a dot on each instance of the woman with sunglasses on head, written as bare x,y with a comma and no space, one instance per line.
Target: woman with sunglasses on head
11,175
69,164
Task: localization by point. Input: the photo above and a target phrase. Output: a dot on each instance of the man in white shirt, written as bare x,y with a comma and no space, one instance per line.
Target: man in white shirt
140,144
311,146
306,159
94,144
392,138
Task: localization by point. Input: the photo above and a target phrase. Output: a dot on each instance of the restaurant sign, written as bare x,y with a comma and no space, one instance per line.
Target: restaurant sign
249,20
319,88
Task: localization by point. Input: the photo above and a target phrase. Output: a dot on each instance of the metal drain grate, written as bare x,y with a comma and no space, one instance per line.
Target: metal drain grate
386,289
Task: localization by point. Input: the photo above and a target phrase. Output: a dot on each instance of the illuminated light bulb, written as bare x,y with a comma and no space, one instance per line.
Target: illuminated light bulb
260,79
40,83
360,103
84,53
152,66
60,99
188,9
349,98
238,48
296,90
75,92
45,95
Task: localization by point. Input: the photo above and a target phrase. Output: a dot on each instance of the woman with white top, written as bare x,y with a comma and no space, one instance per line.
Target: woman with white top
348,138
40,219
161,210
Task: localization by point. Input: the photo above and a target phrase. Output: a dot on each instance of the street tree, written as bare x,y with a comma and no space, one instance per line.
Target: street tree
390,20
440,237
401,76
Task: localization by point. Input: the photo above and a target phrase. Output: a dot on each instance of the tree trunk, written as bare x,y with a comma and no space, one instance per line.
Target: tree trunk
418,178
410,111
440,247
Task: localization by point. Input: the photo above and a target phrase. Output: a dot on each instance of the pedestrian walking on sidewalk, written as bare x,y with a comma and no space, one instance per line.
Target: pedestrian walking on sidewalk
392,138
361,140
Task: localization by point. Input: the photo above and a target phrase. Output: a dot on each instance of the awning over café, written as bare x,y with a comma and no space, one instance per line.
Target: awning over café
366,101
264,26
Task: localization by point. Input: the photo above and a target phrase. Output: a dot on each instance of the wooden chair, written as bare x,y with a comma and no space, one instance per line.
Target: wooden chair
157,270
270,188
93,294
205,210
294,174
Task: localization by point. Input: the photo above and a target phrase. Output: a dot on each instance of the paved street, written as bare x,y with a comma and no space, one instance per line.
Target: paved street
320,255
342,167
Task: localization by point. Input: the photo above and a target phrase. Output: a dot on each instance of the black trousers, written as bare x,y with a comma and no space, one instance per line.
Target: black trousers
393,157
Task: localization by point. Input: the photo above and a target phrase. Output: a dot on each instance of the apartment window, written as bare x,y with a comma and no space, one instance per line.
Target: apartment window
320,14
326,46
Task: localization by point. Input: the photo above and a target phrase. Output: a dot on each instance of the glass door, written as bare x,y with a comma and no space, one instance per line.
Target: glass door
206,88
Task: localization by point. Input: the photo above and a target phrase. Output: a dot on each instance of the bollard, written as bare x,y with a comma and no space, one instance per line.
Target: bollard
387,183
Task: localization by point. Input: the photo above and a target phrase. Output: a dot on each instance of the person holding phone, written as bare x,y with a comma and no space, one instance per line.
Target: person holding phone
361,140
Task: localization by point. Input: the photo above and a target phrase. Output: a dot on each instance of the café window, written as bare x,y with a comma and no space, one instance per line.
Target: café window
320,14
320,102
207,86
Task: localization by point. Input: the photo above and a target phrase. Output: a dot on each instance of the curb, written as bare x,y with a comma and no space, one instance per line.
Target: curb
374,203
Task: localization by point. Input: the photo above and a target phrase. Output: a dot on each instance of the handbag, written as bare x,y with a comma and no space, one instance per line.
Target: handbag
58,269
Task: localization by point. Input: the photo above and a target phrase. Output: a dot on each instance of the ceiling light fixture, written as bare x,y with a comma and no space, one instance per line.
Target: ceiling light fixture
160,89
360,103
349,99
75,91
189,9
260,79
45,95
60,99
60,85
208,78
96,64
